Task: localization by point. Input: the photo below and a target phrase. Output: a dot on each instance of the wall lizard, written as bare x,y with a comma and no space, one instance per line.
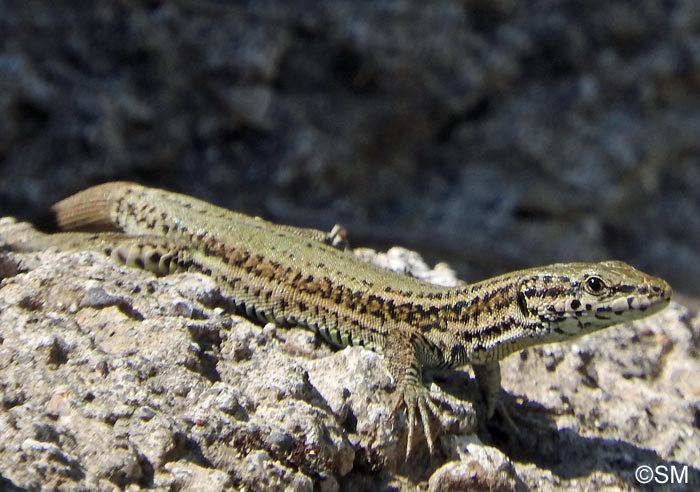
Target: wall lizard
304,277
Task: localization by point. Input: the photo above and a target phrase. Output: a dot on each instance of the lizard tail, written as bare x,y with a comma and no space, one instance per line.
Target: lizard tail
92,209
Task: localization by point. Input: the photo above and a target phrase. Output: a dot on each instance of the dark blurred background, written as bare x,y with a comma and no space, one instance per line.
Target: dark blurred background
493,134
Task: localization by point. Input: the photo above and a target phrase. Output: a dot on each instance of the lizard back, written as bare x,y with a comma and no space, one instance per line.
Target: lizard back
273,272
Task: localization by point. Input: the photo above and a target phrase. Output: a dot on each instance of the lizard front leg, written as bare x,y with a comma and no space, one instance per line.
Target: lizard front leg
336,237
401,352
488,378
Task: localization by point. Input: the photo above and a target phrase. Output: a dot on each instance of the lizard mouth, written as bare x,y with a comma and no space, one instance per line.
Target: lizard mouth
648,299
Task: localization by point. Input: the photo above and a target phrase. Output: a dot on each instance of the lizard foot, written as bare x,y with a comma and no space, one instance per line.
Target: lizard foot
505,414
423,407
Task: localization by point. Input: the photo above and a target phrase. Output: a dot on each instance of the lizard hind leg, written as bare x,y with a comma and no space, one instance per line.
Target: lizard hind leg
155,254
152,253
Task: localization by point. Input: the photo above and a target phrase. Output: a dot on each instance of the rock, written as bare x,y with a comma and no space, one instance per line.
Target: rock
491,134
480,468
140,394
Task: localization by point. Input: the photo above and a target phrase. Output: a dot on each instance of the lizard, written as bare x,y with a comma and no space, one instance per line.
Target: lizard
308,278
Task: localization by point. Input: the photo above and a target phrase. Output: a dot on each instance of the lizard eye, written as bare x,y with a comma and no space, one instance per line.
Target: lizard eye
595,285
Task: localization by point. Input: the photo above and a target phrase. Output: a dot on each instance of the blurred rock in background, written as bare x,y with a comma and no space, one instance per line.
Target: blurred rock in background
490,134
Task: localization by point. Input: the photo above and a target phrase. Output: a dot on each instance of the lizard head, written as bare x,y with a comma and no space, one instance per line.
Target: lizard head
572,299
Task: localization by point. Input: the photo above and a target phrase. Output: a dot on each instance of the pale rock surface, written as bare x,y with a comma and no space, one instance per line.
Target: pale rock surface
112,378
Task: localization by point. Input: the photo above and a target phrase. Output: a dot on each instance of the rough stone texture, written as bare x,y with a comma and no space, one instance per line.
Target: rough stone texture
112,378
490,133
480,469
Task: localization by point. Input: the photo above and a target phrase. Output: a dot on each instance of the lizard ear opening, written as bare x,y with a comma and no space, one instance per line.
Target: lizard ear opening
522,303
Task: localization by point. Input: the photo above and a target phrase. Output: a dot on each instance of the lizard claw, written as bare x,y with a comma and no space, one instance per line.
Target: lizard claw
422,408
